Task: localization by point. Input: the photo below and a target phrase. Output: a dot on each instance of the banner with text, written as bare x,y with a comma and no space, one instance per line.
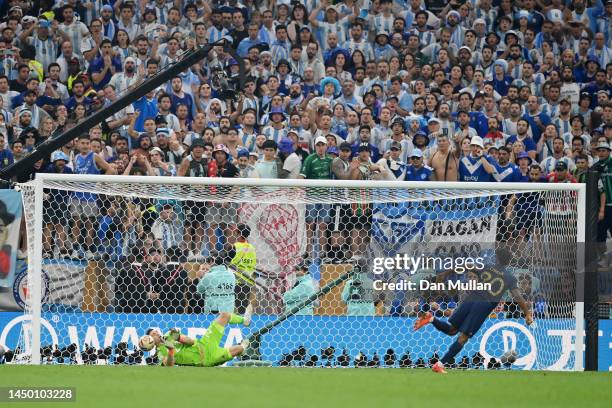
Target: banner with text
548,345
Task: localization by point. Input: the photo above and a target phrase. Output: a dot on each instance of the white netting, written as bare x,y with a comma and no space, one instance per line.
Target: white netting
126,256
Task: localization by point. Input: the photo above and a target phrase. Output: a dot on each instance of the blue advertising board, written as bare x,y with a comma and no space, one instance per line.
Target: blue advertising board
548,345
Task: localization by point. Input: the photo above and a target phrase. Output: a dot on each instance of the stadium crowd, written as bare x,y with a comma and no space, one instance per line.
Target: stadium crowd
476,90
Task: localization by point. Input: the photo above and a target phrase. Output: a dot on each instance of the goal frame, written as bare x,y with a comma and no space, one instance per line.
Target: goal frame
35,263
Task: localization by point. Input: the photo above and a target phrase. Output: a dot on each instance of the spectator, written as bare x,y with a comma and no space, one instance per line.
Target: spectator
269,166
56,202
84,207
417,171
476,166
151,287
447,82
317,166
561,174
168,229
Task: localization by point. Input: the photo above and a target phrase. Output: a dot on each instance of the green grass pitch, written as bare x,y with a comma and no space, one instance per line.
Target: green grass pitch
181,387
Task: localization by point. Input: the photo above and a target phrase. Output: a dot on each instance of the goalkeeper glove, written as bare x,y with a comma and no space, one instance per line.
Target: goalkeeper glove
174,334
169,343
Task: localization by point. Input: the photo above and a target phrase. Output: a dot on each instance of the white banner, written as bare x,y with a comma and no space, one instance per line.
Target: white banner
10,223
278,231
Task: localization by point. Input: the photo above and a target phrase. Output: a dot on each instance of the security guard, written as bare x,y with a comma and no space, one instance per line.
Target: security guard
244,262
217,285
302,290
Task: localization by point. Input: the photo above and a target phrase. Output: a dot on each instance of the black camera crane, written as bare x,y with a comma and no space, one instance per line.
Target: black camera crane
24,166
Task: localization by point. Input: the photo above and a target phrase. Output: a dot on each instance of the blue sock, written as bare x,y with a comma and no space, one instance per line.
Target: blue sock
453,350
442,326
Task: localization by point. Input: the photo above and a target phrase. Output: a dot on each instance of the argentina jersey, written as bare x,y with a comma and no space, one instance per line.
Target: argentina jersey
272,133
472,169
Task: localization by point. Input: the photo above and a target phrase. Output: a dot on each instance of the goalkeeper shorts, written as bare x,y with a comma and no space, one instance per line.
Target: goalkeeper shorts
214,354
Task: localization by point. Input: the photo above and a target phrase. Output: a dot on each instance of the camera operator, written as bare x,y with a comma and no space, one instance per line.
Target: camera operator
358,292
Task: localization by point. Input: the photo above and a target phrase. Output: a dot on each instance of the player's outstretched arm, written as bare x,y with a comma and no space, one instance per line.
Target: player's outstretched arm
518,298
168,361
175,335
186,340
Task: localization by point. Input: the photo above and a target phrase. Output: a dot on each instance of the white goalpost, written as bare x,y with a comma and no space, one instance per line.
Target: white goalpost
111,256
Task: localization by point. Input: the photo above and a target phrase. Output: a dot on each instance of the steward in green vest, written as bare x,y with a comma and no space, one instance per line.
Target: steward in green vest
244,263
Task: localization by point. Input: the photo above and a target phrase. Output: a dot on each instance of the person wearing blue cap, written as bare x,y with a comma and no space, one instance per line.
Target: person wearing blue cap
43,41
523,161
420,140
292,163
392,166
244,167
276,128
417,170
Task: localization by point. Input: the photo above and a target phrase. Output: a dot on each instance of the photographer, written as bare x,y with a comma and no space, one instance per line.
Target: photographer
358,292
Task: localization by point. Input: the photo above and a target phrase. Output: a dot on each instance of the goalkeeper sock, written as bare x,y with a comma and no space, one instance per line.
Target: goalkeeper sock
453,350
442,326
236,319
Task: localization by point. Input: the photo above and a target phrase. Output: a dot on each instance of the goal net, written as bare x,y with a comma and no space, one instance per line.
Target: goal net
110,257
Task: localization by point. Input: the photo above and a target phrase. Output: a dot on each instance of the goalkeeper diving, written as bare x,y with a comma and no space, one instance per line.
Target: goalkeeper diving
175,348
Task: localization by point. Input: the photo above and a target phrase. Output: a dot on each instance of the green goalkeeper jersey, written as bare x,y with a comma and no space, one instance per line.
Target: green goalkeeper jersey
183,355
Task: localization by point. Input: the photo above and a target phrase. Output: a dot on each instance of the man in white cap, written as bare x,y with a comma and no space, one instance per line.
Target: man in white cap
317,166
476,166
123,80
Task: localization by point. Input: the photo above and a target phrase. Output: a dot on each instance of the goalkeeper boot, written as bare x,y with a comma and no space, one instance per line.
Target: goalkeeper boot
438,367
422,321
248,315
